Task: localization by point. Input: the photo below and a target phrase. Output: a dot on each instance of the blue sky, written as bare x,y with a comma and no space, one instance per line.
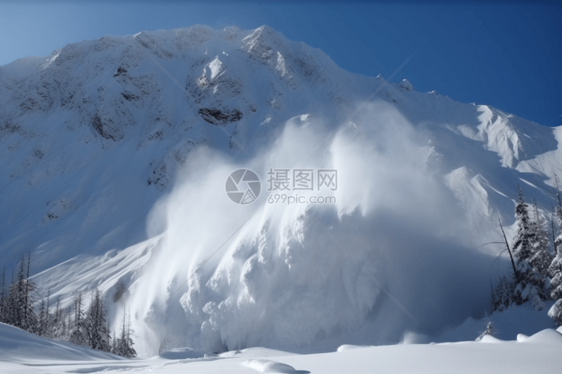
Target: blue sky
508,55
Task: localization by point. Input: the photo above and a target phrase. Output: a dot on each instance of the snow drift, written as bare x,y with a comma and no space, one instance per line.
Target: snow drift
528,354
20,346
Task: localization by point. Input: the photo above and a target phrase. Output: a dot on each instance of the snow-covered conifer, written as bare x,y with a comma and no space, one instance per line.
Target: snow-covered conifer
555,268
42,321
541,258
78,331
96,325
555,312
123,346
530,284
503,294
20,301
3,298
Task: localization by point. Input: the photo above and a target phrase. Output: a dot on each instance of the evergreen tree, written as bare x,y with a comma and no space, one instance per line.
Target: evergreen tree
30,318
555,269
129,350
558,215
41,328
541,258
522,246
28,323
58,323
555,312
553,231
17,292
558,241
22,314
3,298
503,295
96,325
114,343
48,323
11,315
530,284
68,325
62,328
78,332
123,346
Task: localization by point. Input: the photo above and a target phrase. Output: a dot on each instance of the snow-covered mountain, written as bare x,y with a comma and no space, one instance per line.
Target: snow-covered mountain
115,154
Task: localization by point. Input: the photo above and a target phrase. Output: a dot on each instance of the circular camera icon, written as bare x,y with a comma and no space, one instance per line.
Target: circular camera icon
243,186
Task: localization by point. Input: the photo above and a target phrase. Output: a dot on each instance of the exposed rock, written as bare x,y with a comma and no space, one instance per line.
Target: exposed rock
218,117
107,129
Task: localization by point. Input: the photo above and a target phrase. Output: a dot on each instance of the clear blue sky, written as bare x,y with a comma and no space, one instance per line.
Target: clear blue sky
508,55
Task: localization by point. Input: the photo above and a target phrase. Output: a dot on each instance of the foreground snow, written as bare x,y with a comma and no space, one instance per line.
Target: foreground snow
21,352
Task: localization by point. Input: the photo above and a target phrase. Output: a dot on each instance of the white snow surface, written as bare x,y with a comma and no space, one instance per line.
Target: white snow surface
109,171
24,353
22,347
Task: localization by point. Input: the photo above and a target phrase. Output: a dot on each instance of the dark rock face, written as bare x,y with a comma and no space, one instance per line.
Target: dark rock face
107,129
120,71
218,117
129,96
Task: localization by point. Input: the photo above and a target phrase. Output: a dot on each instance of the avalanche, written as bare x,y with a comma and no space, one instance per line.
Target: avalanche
115,154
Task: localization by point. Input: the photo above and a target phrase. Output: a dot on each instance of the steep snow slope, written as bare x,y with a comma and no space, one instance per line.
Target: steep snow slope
104,136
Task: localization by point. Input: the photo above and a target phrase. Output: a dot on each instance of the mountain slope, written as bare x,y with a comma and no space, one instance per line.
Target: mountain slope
114,157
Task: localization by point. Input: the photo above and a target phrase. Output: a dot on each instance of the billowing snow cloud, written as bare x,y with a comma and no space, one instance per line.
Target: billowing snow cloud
289,275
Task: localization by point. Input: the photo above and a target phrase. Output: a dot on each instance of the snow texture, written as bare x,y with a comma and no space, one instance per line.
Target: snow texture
25,353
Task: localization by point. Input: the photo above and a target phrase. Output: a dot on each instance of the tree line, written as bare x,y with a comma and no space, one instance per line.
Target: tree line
85,326
536,260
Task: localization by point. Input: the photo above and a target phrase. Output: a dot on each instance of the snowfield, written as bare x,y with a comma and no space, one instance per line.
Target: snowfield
24,353
114,154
